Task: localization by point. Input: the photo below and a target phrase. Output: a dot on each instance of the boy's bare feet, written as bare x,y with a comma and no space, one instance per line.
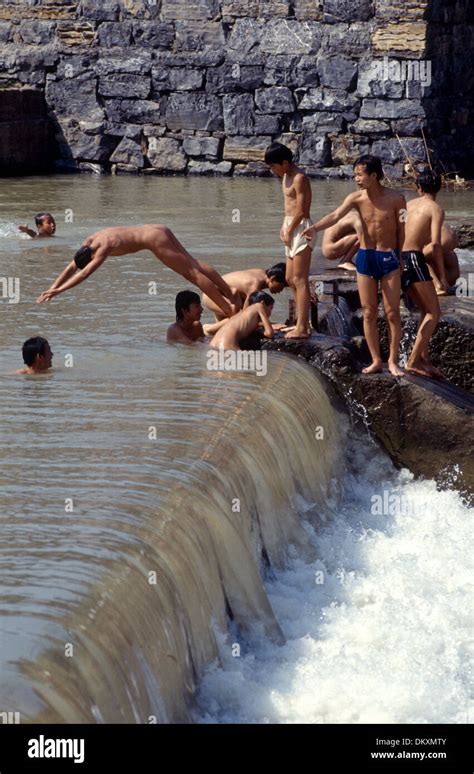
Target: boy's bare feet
395,370
435,372
297,333
373,368
418,367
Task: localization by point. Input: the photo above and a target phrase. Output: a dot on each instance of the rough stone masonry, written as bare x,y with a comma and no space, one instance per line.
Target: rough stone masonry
203,86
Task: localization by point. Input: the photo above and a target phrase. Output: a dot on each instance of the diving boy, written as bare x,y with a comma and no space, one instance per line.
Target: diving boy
245,322
382,214
297,199
160,240
45,226
243,283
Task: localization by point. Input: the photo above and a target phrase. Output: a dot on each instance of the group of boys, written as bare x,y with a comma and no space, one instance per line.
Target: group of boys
390,242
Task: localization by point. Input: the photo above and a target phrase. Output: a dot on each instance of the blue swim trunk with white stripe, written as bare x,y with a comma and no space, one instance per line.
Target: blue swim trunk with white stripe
415,269
376,263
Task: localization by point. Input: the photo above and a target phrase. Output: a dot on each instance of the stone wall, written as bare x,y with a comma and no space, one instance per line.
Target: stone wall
203,86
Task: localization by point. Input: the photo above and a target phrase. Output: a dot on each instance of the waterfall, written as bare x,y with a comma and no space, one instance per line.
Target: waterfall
114,615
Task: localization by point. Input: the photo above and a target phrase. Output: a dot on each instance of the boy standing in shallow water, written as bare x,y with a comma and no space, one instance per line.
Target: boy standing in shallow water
381,236
297,199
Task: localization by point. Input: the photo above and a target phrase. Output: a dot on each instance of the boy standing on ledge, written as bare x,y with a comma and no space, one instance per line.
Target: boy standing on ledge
381,235
297,198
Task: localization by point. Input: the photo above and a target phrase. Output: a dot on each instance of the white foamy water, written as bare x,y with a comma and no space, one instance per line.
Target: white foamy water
386,638
465,257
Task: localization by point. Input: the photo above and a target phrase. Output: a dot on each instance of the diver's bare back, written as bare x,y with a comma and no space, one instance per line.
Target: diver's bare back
380,218
122,240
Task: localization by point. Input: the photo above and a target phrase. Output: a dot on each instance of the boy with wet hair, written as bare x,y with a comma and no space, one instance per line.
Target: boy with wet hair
243,283
187,329
382,214
160,240
427,216
45,226
37,356
422,231
246,322
296,188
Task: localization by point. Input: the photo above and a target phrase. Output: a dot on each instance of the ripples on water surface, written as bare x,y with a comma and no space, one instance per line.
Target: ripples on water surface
82,433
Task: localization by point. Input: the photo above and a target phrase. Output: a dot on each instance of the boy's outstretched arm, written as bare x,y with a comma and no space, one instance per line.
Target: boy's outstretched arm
25,230
267,326
81,275
211,328
333,217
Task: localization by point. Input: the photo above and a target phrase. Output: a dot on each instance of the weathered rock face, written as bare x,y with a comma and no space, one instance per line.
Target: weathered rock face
332,78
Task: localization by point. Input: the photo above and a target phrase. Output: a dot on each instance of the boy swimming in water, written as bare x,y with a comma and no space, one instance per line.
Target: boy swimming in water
160,240
243,283
297,199
37,356
45,226
382,213
423,228
245,322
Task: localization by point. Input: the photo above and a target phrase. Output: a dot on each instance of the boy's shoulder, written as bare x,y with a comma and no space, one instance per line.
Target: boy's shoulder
397,197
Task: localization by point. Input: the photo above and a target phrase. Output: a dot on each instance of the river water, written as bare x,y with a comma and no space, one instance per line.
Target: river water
125,557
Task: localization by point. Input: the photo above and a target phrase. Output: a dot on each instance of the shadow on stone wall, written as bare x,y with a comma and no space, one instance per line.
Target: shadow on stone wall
449,104
26,141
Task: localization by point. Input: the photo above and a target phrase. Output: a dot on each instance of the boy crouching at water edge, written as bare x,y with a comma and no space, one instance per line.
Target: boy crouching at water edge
227,354
247,281
381,236
296,188
423,228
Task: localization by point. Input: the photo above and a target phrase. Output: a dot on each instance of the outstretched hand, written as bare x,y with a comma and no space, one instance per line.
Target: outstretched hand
308,233
47,295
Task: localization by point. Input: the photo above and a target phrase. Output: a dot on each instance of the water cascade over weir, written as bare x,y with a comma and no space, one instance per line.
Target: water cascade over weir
143,587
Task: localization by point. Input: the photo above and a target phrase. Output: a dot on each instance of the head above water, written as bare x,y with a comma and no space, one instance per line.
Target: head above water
428,182
367,170
276,279
188,306
260,296
45,223
279,158
37,353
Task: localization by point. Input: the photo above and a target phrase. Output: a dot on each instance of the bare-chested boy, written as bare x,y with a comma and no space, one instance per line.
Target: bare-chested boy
341,242
45,226
243,283
245,322
187,329
122,240
37,356
423,228
382,213
297,198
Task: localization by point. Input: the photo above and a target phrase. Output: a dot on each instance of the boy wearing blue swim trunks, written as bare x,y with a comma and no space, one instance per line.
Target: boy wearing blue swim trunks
381,234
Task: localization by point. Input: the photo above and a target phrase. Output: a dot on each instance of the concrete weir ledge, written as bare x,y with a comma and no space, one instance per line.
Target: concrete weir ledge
423,424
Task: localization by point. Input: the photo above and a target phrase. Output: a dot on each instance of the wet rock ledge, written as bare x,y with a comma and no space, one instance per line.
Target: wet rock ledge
423,424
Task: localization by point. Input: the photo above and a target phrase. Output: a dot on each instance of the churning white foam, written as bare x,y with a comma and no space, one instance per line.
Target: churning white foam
386,637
